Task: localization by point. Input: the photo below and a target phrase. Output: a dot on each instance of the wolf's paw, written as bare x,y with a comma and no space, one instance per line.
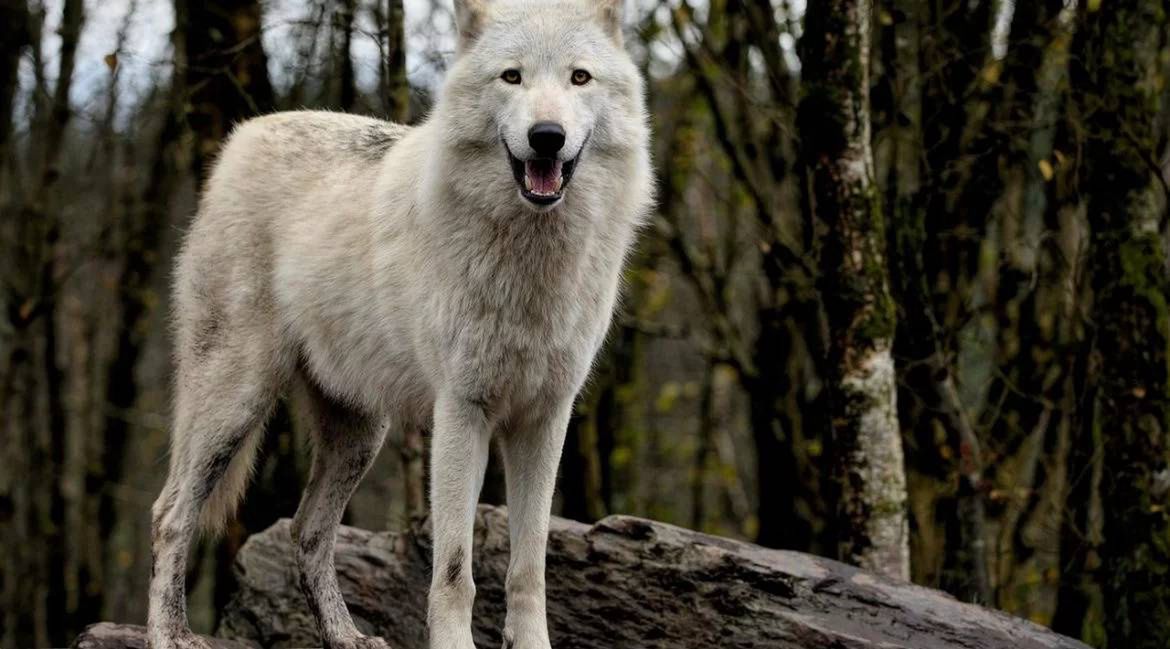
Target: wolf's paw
182,639
450,636
361,642
510,641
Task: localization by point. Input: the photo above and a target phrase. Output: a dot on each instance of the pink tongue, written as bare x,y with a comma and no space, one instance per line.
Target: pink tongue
543,175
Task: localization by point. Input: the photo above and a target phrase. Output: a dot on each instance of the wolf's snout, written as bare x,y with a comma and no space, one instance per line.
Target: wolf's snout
546,138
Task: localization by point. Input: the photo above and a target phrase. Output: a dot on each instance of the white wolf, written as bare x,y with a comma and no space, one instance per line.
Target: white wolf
459,275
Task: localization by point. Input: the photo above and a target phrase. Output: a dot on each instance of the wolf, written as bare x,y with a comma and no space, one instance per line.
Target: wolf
459,275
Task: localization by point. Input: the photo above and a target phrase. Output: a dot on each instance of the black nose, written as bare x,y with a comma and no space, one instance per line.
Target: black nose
546,138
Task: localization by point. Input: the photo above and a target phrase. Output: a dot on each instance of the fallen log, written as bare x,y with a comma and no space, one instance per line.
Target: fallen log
107,635
624,583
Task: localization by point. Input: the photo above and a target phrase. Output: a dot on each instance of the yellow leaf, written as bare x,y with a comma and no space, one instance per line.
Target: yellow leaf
814,448
886,18
111,60
1093,5
991,72
1045,169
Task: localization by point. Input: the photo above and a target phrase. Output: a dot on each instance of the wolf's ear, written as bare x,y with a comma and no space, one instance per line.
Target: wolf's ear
469,19
610,14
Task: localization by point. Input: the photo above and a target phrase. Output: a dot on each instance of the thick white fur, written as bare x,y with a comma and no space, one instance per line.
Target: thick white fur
400,277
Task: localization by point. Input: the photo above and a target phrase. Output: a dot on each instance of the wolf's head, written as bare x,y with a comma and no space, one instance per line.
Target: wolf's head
538,88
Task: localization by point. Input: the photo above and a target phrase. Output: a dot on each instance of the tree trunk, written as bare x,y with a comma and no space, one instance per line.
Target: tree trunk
14,36
834,123
395,88
1115,86
413,455
226,70
346,86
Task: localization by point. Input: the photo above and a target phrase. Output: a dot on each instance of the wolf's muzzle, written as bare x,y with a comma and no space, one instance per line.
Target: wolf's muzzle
543,178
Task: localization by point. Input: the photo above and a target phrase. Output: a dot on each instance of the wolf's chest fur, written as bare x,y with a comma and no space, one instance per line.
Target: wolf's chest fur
525,310
508,312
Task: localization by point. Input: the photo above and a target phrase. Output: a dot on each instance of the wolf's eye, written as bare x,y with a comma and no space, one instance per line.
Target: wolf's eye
511,76
581,77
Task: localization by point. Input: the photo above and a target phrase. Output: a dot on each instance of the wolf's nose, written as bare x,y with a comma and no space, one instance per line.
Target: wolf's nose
546,138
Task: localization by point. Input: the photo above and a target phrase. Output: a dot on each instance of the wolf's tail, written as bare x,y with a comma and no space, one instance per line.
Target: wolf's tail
225,496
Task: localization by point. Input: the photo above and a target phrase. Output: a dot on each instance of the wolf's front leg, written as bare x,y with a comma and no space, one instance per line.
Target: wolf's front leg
459,453
531,454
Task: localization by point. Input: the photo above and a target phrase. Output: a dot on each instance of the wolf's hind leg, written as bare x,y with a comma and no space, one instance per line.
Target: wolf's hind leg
346,444
220,406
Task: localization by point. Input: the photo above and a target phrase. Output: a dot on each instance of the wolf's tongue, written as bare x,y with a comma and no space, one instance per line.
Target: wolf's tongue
543,176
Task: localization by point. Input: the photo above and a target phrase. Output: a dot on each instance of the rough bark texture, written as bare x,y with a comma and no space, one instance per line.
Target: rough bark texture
835,127
1116,87
107,635
623,582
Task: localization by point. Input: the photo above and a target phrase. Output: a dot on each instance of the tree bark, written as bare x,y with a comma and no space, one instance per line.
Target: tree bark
346,85
413,456
835,125
395,88
107,635
14,36
1114,77
226,70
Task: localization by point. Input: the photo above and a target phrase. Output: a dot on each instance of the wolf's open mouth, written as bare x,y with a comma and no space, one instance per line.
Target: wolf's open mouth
542,180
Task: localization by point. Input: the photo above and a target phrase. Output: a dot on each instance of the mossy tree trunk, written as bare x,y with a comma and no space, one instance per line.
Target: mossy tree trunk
1116,89
834,123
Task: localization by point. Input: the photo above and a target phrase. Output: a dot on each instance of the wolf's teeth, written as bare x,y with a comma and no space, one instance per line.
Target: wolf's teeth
557,188
527,182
